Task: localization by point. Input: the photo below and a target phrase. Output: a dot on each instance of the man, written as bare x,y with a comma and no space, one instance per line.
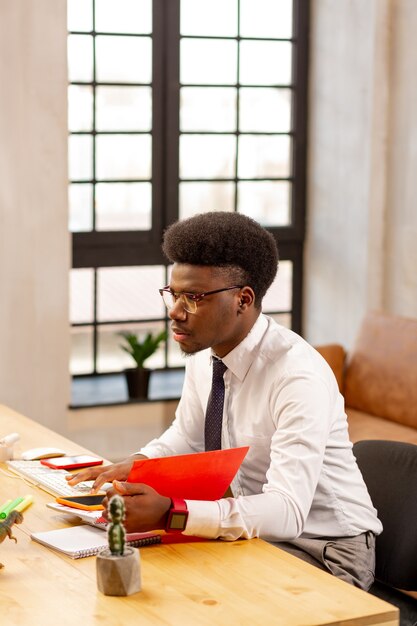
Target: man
299,484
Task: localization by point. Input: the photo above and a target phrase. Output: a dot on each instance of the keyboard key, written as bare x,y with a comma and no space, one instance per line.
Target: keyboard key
50,480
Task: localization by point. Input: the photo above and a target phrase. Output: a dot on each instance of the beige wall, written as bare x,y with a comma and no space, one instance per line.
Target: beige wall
362,188
34,242
362,224
401,226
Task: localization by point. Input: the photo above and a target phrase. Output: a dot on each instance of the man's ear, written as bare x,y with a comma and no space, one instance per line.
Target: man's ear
246,299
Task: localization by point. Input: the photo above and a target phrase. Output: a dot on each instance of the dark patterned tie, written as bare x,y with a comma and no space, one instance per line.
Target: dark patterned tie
214,412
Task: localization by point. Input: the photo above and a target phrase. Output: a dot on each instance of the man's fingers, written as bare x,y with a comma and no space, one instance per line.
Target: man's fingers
74,479
100,480
103,474
129,489
145,509
120,488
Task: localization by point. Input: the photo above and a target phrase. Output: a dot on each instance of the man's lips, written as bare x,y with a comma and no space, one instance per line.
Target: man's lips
179,334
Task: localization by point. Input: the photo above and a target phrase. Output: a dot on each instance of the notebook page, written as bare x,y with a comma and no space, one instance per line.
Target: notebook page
80,541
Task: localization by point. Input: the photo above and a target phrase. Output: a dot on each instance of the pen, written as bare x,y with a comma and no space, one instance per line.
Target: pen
5,512
4,506
27,501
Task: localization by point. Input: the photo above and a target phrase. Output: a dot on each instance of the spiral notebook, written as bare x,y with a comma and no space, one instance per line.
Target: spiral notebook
85,540
80,541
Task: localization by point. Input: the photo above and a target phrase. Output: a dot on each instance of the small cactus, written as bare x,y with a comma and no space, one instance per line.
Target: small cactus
116,533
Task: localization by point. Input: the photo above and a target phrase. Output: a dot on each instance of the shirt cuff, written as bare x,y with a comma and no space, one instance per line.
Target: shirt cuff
203,519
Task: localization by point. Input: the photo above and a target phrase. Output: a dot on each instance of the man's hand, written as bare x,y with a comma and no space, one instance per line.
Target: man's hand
145,509
104,474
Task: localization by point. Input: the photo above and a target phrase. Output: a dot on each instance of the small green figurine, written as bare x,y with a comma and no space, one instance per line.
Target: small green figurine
14,517
116,533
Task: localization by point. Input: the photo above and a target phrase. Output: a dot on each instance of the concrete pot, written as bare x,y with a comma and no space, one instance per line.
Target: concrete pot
118,575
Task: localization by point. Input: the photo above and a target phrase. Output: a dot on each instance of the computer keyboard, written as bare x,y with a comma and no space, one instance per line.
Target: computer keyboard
51,480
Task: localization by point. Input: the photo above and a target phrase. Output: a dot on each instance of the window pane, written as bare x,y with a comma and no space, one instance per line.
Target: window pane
164,385
265,63
124,16
123,156
204,197
264,156
115,59
127,293
80,15
111,357
205,109
205,62
207,156
80,108
80,207
285,319
80,58
217,17
81,357
121,206
265,109
81,295
279,295
266,18
123,108
267,202
80,157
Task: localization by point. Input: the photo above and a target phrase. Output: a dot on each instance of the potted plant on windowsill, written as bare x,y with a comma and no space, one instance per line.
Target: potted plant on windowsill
137,378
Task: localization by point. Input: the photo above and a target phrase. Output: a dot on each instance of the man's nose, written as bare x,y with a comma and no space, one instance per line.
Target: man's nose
177,312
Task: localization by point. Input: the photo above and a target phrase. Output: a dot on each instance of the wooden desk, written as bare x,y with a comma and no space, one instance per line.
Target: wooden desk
215,583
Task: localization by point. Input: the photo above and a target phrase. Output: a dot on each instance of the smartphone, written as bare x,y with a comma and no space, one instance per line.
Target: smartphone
72,462
87,503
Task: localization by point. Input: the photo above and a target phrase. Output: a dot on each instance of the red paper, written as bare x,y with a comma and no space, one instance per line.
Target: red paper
199,476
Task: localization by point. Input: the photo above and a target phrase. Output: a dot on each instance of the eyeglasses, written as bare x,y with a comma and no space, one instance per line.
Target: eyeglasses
188,300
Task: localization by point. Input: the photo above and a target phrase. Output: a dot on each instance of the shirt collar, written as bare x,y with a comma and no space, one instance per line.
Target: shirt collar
239,360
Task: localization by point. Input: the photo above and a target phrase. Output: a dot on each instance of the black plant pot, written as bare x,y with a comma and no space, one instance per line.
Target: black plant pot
137,379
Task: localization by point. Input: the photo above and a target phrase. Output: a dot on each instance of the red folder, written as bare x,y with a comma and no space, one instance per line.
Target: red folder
199,476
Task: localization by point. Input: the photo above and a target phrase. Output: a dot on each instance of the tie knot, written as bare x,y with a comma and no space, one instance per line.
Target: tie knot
219,368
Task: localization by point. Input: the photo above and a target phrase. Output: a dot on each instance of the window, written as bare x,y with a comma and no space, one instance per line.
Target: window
178,107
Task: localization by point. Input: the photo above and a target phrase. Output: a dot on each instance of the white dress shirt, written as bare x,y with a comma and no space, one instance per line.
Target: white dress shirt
300,477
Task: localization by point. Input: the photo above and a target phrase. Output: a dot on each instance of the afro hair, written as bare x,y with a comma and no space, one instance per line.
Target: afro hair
225,240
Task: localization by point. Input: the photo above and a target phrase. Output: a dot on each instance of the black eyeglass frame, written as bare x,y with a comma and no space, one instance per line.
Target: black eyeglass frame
194,297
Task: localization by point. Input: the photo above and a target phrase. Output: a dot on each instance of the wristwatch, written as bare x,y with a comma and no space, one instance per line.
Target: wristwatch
177,516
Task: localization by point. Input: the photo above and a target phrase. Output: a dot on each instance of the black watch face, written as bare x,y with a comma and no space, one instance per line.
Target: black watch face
177,521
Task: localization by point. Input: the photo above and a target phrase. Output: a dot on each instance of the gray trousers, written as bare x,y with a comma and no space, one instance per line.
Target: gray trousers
350,558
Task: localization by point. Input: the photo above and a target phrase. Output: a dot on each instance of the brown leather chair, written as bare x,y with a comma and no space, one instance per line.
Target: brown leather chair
378,378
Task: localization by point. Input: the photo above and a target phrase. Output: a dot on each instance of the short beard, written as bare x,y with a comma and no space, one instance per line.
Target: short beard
191,353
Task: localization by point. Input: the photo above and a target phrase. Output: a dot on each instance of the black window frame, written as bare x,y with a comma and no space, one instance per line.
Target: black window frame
96,249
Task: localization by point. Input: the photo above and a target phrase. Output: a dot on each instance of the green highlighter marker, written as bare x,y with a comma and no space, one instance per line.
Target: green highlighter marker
6,509
4,506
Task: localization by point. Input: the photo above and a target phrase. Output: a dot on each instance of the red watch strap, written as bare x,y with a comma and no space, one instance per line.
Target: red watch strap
179,504
177,516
